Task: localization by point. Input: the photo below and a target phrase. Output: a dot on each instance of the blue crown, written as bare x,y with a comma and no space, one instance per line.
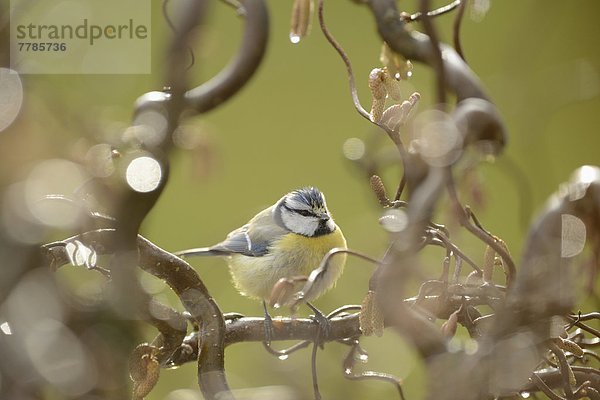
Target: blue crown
309,195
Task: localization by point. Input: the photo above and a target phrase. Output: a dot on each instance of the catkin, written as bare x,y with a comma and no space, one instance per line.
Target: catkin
302,11
371,318
379,190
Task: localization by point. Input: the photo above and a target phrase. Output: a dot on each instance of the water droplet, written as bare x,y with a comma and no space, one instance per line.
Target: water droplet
409,74
363,357
283,357
347,371
525,395
294,38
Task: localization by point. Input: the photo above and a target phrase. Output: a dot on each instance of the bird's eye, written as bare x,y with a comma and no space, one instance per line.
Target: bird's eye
304,213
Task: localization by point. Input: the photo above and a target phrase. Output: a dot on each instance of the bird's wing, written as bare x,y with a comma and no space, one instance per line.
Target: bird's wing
252,239
239,241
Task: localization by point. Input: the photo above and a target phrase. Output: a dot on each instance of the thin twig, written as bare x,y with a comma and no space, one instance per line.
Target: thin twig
322,268
456,28
545,388
464,217
364,113
588,328
592,354
282,354
565,368
349,373
173,29
346,61
585,317
431,14
401,186
313,364
343,310
451,246
79,204
437,62
457,269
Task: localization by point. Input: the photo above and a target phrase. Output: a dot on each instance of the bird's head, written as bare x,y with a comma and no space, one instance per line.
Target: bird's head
304,211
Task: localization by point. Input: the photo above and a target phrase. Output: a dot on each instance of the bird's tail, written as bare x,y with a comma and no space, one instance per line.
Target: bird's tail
200,251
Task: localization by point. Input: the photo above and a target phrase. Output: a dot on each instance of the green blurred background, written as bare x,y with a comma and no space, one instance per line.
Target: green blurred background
539,60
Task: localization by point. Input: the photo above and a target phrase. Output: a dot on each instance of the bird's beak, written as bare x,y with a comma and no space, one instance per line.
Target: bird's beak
324,216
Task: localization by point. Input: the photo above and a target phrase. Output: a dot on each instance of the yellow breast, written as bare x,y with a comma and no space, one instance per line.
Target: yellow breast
292,255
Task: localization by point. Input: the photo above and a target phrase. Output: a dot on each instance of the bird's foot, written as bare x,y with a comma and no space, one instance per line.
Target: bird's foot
268,326
324,325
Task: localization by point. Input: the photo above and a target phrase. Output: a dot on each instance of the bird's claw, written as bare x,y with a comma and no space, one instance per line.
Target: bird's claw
323,323
268,326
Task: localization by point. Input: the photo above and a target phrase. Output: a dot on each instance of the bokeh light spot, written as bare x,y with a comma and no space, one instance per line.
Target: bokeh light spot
150,128
99,159
438,139
573,234
479,9
143,174
11,97
394,220
589,174
151,284
5,328
581,180
354,149
47,180
60,358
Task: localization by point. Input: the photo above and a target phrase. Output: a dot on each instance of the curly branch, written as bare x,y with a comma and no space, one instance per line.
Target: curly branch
569,220
230,80
188,286
235,75
417,46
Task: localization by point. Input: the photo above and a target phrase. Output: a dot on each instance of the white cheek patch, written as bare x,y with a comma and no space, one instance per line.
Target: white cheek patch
306,226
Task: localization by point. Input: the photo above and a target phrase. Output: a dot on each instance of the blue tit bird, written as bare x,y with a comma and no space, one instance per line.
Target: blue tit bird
286,240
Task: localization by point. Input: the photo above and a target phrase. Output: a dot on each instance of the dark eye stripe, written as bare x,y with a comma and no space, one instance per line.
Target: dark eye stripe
304,213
